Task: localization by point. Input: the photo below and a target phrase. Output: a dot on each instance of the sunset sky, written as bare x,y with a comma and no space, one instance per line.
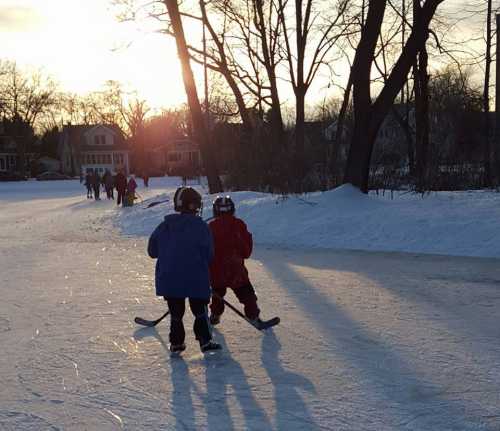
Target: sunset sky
81,44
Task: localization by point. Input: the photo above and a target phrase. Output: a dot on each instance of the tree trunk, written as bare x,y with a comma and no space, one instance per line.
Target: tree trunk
223,68
496,153
421,108
486,98
300,153
358,160
339,132
369,116
199,127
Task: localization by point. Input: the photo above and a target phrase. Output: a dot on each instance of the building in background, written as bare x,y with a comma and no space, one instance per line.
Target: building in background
17,142
183,158
95,148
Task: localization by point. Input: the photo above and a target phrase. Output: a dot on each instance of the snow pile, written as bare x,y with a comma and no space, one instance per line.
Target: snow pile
452,223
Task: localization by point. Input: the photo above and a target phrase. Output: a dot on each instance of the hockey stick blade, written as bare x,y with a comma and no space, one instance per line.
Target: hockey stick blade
150,323
266,324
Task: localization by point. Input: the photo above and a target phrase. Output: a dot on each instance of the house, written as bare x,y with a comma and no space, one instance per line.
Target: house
16,141
183,158
93,148
8,153
49,164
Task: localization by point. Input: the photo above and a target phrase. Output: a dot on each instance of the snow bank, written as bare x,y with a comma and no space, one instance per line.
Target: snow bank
452,223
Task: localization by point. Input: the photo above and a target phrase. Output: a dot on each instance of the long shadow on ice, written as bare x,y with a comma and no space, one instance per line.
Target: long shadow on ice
225,380
462,293
181,399
291,410
386,376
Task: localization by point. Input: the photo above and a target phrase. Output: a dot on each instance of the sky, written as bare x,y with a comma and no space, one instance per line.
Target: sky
82,44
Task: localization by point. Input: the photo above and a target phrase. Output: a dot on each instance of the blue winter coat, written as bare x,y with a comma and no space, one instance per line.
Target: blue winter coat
184,248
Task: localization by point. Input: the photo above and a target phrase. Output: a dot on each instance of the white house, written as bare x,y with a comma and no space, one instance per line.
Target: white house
84,148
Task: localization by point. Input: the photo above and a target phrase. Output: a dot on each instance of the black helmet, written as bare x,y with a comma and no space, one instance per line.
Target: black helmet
223,205
187,199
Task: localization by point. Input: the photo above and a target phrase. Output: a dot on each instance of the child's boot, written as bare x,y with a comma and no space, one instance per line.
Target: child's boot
214,319
209,345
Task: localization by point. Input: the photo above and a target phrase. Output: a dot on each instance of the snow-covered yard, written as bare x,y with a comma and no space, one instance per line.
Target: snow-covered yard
368,340
450,223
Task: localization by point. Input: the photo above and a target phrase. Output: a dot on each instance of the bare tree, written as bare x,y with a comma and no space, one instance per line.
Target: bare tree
313,42
369,114
199,125
486,94
25,94
24,98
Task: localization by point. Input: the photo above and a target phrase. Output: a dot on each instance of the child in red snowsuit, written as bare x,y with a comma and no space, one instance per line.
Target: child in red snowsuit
233,244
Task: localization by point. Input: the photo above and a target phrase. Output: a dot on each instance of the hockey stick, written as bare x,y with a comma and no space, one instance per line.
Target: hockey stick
239,313
150,323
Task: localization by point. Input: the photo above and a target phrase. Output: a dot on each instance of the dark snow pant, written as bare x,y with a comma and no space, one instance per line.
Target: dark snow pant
177,307
109,192
245,294
120,197
89,191
96,192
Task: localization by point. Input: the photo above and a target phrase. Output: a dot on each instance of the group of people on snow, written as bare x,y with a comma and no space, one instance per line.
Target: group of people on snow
199,261
125,188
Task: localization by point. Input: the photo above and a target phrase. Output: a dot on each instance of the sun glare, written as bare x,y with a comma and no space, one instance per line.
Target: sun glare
82,45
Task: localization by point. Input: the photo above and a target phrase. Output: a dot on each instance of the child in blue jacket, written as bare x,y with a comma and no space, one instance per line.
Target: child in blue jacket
183,245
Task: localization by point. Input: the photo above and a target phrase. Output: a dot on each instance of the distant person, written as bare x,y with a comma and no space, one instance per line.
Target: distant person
96,185
132,185
109,184
88,184
182,243
145,178
130,193
121,187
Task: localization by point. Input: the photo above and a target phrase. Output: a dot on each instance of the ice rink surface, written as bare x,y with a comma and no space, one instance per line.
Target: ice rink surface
368,340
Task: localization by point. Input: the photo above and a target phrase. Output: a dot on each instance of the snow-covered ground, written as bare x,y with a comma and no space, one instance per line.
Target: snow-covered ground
368,340
450,223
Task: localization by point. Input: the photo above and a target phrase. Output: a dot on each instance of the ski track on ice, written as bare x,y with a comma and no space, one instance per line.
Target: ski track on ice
367,341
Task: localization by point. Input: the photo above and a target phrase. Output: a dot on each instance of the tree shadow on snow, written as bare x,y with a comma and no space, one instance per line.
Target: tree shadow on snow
291,410
181,398
411,400
441,286
225,379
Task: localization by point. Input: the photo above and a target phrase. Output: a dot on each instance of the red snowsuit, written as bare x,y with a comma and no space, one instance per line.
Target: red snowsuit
233,244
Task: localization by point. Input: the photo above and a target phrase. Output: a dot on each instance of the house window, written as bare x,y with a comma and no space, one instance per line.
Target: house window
193,157
118,158
2,164
100,140
94,159
108,159
174,157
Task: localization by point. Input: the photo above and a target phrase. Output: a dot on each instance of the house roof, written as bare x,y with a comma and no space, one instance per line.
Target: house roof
75,135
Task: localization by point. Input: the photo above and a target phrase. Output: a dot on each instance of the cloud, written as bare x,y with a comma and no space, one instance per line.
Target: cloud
18,18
